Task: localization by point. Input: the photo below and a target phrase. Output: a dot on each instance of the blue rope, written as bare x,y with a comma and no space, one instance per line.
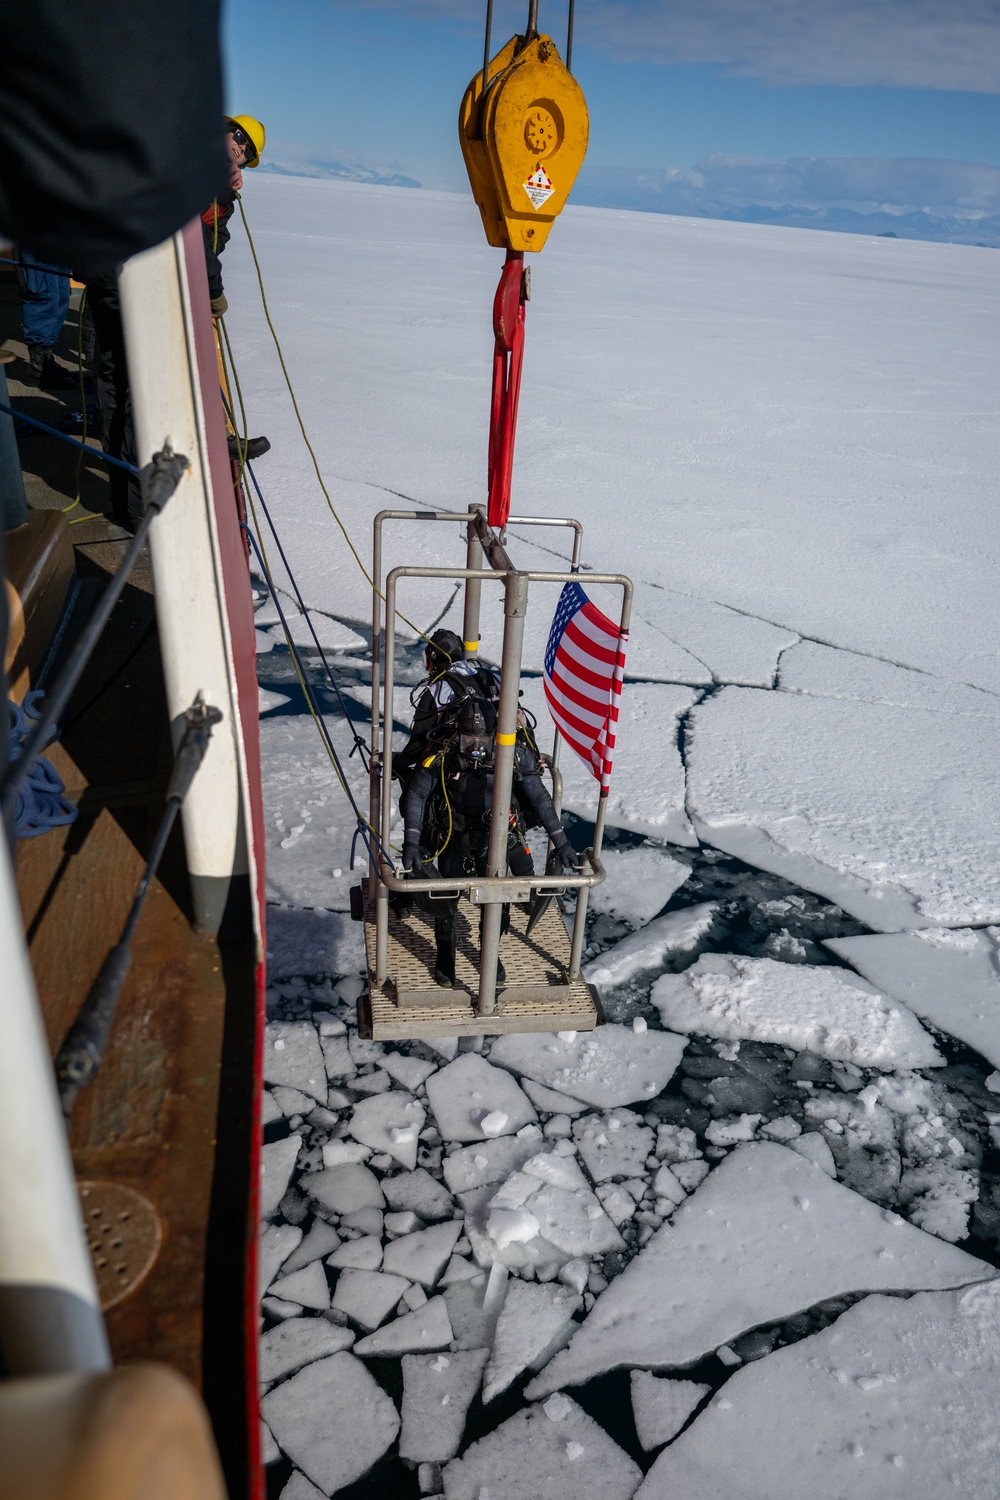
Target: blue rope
30,265
39,806
105,458
364,832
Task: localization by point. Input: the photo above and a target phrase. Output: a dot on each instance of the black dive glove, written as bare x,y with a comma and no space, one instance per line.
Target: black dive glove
412,862
568,857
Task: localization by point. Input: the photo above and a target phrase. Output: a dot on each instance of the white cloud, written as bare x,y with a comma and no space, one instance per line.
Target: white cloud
934,44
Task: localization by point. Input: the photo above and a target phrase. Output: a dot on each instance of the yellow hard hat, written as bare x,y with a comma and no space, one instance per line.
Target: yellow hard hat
253,130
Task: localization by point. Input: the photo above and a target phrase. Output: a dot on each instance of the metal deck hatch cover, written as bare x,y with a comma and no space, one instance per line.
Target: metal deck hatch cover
124,1234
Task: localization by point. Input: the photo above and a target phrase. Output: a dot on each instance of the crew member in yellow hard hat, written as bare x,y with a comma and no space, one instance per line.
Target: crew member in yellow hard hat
244,144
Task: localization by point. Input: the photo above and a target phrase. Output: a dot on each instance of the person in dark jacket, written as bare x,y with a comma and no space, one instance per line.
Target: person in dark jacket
46,303
449,677
244,143
446,807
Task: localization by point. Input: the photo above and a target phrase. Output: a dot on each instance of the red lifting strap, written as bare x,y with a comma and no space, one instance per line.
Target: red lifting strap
508,326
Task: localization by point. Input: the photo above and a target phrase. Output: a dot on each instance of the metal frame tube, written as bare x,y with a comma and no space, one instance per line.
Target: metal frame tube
473,588
515,607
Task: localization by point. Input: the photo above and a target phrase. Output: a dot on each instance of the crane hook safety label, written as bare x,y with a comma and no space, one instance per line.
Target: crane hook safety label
538,187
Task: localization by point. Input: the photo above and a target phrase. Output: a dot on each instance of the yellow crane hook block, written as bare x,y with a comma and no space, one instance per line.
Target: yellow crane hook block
524,148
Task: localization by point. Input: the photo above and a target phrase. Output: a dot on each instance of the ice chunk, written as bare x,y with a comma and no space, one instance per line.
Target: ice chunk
508,1226
459,1269
292,1102
270,1109
364,1254
677,932
491,1161
411,1072
337,1057
525,1457
606,1067
613,1145
914,1380
292,1056
438,1390
617,1203
391,1123
321,1239
550,1101
422,1256
534,1322
818,1009
739,1252
276,1245
276,1163
730,1132
558,1168
420,1192
639,883
427,1328
495,1123
298,1342
814,1148
336,1153
368,1220
308,1287
300,1488
345,1188
574,1221
473,1319
661,1407
367,1297
954,986
401,1223
469,1090
447,1046
332,1419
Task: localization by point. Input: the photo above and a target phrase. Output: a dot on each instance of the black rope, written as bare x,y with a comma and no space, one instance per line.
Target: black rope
569,36
363,829
64,437
360,747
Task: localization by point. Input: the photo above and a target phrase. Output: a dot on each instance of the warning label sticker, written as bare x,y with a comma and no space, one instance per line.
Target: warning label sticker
538,187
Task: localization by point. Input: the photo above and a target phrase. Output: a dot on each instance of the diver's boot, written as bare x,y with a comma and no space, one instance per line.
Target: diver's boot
254,447
444,963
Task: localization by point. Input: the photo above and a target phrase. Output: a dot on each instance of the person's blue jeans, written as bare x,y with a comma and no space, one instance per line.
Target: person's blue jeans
46,302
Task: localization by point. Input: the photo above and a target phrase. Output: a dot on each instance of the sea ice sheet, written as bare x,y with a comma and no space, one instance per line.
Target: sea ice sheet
427,1327
277,1162
367,1297
610,1066
438,1390
904,801
898,1398
825,672
815,1008
950,978
332,1419
766,1235
677,932
390,1122
292,1057
563,1457
422,1256
469,1090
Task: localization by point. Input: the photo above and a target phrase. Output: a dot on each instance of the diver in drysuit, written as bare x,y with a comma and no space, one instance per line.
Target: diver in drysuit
446,806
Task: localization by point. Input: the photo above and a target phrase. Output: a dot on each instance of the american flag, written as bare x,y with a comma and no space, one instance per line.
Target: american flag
584,665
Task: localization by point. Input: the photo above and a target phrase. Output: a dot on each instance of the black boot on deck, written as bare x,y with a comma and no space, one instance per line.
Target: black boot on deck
246,453
444,963
45,373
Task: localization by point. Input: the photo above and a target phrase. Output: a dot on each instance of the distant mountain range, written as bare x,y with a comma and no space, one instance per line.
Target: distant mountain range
657,192
344,171
666,192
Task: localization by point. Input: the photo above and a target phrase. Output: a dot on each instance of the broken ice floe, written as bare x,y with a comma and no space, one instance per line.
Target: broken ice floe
765,1235
473,1101
610,1066
639,883
825,1010
438,1390
297,1342
551,1450
332,1419
661,1407
897,1398
949,978
535,1321
642,951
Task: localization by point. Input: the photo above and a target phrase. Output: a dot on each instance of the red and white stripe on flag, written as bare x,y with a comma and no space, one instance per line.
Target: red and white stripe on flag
584,667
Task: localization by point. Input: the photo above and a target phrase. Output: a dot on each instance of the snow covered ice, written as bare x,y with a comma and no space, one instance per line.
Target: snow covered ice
898,1398
822,1010
766,1234
661,1407
819,562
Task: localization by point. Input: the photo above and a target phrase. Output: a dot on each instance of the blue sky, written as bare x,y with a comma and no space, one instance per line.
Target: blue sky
669,82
